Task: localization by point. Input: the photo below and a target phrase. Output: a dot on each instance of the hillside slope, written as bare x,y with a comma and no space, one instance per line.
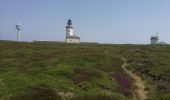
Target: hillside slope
49,71
56,71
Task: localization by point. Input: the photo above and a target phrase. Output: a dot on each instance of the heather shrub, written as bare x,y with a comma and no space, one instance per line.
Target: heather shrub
114,65
95,97
125,91
124,82
40,92
86,74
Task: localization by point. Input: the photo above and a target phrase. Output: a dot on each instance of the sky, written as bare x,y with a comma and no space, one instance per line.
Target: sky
103,21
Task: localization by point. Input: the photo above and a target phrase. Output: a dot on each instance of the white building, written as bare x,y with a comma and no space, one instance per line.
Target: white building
70,37
154,39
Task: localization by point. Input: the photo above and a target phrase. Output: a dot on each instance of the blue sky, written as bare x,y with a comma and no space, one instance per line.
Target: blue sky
104,21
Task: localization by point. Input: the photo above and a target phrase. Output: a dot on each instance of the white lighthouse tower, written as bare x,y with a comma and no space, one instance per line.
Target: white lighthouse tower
70,37
69,28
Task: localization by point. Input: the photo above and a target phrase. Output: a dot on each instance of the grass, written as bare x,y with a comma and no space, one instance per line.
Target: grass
152,63
89,71
80,69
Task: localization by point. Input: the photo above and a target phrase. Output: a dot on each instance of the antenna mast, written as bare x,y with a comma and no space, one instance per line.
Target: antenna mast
156,34
18,28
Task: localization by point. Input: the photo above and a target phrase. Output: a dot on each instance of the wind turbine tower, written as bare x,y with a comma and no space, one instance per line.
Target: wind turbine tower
18,28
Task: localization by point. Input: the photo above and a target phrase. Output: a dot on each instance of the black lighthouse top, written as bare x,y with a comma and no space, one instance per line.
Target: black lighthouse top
69,22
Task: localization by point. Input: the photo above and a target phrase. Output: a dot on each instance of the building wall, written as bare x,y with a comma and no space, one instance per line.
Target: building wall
70,40
69,31
153,41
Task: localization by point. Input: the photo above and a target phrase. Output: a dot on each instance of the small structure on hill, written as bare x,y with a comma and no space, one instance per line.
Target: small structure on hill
70,37
154,39
18,28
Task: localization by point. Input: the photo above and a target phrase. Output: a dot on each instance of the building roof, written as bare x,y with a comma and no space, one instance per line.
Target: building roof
73,37
154,37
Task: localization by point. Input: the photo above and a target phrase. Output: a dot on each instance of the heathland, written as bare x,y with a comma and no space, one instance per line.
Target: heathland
59,71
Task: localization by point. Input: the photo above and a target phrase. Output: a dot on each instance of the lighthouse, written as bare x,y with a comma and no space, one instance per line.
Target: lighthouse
70,37
69,28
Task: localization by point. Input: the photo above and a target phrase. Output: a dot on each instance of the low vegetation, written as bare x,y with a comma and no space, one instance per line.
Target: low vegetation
59,71
50,71
152,63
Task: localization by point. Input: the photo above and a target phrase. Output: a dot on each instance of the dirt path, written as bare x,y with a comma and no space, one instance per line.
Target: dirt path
141,93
